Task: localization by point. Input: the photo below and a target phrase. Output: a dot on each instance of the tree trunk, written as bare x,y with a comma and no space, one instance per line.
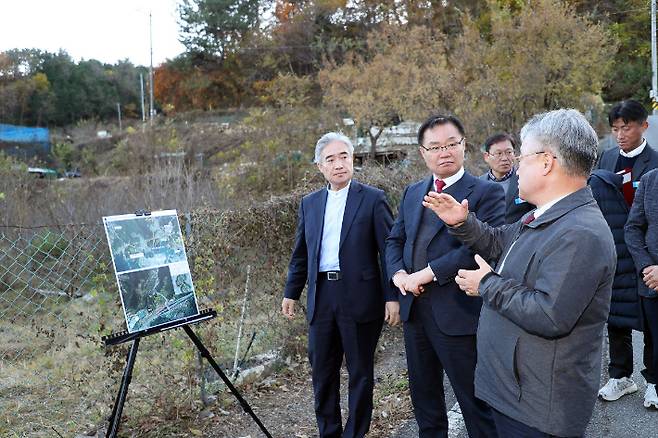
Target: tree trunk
373,141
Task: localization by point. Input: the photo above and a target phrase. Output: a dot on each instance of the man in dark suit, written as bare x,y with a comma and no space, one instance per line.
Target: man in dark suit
339,248
498,153
642,240
631,159
423,260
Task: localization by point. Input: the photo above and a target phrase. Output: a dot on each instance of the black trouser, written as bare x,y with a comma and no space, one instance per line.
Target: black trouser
331,334
429,353
621,353
509,428
650,312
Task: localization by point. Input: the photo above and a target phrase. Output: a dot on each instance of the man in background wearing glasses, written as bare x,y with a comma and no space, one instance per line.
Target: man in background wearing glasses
547,300
498,153
423,259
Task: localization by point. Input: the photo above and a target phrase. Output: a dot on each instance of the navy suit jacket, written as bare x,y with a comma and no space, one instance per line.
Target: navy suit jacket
646,161
366,223
454,312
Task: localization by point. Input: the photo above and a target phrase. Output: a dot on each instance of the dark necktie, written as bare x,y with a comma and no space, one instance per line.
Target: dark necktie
529,218
440,184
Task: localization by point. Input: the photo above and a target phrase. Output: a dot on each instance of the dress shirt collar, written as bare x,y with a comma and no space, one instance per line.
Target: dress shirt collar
635,152
451,179
339,193
544,208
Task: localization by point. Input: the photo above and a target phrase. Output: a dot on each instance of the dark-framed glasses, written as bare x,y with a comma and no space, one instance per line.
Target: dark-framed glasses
433,149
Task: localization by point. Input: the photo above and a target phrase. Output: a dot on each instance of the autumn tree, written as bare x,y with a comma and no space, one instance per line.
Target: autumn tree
403,75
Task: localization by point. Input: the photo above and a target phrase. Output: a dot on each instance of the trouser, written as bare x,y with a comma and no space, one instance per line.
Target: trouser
509,428
429,353
621,353
333,334
650,312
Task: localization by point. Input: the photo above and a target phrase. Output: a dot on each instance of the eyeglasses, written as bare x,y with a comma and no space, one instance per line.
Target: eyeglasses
520,157
446,148
500,154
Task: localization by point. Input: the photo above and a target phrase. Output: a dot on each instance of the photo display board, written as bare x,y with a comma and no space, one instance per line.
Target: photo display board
151,268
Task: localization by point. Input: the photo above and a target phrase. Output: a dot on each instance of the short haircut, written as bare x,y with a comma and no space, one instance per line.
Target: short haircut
328,138
437,120
568,135
497,138
629,111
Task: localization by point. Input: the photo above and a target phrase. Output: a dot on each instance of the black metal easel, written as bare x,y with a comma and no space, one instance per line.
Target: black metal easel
122,337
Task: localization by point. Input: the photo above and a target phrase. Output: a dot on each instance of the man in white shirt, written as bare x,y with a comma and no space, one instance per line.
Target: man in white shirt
339,248
633,158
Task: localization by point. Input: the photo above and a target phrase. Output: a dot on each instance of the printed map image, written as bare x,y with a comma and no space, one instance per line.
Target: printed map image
151,268
145,241
150,297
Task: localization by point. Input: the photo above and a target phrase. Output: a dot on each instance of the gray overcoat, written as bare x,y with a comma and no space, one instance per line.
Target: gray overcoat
540,332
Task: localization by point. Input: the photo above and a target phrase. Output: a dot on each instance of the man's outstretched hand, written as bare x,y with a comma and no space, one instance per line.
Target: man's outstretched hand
447,208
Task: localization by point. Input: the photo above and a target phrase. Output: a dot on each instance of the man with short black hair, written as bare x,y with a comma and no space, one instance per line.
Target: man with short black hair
498,153
631,160
422,260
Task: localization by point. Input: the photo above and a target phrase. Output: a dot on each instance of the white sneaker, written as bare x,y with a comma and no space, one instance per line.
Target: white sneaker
650,397
617,388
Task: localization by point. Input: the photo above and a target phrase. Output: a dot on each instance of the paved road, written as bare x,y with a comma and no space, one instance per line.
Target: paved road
625,418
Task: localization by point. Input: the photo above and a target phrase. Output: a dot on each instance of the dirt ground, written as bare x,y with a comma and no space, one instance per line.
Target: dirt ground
284,401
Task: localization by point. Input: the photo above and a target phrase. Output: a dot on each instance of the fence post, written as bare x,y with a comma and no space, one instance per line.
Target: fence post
201,369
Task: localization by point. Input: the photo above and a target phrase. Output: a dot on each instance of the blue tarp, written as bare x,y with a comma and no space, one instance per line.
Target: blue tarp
23,134
23,141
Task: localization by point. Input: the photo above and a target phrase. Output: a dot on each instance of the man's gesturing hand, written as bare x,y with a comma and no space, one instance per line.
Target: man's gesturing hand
447,208
469,281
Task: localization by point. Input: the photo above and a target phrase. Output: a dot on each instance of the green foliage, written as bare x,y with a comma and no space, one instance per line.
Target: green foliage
217,27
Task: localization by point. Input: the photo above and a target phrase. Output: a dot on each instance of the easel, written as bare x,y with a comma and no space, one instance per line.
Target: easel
122,337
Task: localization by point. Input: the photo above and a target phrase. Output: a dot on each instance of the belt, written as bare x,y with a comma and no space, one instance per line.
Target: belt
331,275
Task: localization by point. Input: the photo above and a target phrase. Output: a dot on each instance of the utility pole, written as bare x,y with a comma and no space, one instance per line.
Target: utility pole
141,94
654,64
151,107
119,114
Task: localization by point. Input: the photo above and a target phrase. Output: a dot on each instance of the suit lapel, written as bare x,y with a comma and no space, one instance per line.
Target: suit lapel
416,200
319,205
641,164
459,190
354,198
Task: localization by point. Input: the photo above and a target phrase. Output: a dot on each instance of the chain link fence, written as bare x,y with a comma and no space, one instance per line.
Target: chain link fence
58,297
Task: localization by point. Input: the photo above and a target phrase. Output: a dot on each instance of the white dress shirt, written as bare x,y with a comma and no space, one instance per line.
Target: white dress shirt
333,222
635,152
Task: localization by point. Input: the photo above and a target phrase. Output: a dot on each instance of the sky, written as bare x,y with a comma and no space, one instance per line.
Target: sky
106,30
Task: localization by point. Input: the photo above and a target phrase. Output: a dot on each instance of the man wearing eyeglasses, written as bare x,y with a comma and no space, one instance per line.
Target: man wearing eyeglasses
423,259
499,155
546,302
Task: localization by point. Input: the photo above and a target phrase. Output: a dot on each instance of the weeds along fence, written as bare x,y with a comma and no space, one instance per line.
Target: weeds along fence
58,297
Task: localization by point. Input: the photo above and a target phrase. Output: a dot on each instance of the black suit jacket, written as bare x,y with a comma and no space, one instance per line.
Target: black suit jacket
514,210
455,312
366,223
646,161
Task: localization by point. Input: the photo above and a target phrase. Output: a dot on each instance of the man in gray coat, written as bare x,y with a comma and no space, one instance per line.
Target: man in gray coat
546,303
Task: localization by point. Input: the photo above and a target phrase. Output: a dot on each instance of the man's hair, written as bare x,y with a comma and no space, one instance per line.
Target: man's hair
328,138
497,138
568,135
629,111
436,120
